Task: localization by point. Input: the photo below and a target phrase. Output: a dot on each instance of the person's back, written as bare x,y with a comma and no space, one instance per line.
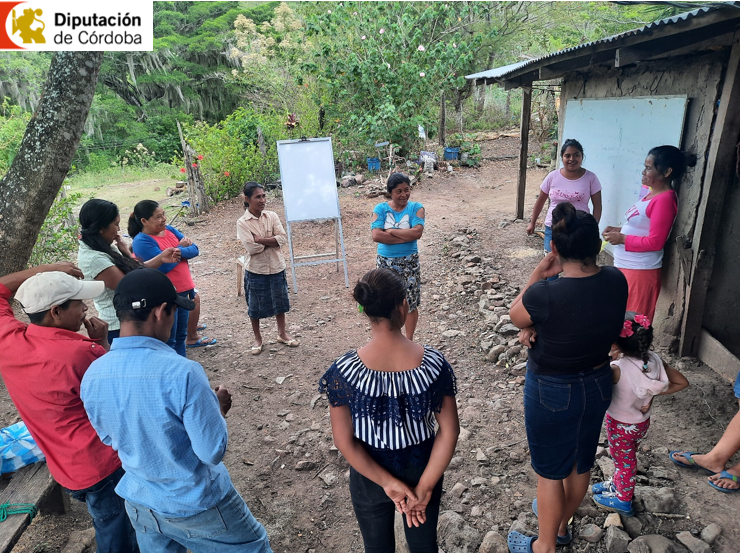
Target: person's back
158,411
147,402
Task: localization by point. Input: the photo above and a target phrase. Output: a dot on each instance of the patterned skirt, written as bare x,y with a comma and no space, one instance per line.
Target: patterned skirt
266,295
409,269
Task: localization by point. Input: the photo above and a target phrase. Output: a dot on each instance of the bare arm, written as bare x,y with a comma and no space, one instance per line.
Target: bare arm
442,451
14,280
360,460
407,234
538,205
113,275
677,381
384,237
596,202
267,242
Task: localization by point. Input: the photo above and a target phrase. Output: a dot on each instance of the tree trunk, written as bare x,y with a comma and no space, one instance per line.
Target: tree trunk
29,187
442,120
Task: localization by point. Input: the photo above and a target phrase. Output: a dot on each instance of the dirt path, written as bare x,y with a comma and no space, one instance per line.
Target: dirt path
276,428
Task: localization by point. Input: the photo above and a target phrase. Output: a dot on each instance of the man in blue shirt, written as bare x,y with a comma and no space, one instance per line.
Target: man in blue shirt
157,410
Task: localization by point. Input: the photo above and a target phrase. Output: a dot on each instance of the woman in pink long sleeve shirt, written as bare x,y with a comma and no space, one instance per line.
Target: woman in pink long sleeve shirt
638,245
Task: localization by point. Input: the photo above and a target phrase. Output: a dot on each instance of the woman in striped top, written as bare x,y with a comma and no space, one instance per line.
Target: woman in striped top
385,398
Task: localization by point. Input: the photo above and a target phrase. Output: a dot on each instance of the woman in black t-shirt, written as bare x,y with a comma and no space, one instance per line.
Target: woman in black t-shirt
568,388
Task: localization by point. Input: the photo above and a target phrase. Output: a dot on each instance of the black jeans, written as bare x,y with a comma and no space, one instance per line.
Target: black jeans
113,530
375,514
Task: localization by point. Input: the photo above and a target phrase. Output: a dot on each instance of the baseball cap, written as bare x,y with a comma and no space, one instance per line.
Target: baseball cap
147,288
43,291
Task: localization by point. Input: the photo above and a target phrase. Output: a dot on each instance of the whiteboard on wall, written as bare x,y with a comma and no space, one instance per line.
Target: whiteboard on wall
308,179
616,134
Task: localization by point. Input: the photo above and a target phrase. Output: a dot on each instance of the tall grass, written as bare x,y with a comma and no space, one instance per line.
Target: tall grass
116,175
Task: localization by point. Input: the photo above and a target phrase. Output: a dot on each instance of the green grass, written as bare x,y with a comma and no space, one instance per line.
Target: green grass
126,187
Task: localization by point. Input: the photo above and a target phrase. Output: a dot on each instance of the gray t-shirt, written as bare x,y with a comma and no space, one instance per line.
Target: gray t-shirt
92,263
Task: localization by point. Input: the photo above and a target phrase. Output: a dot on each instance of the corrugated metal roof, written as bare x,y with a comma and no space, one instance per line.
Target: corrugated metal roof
500,72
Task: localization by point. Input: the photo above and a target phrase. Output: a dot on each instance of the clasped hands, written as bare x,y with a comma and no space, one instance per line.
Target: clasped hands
613,235
412,503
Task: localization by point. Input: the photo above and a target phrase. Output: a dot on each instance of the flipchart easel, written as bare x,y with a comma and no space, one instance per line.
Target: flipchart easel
310,194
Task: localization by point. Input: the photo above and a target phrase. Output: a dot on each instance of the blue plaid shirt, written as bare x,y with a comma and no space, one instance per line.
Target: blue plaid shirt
158,411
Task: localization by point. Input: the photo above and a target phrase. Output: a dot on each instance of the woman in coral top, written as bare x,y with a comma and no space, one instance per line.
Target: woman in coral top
147,226
639,243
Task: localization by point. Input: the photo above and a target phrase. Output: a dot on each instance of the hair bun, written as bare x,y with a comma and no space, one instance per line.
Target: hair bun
365,294
689,158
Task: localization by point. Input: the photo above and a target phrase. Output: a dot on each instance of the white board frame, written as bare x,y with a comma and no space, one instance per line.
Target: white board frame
294,192
616,142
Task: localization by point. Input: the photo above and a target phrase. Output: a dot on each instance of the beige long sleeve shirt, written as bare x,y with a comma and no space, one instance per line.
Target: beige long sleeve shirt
263,260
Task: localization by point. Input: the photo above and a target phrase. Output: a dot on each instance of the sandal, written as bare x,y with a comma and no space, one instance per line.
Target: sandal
291,342
204,341
201,327
724,475
562,540
519,543
256,350
691,463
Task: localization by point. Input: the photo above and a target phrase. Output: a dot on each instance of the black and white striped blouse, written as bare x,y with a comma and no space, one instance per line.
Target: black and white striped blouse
390,410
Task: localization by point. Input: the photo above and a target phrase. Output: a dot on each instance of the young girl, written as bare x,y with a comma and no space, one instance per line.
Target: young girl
639,376
385,399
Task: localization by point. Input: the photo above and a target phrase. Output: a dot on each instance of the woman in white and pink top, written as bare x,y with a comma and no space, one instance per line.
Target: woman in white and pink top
639,243
571,183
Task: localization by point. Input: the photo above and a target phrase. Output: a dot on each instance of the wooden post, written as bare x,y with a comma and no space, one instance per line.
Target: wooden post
523,148
719,173
196,190
442,120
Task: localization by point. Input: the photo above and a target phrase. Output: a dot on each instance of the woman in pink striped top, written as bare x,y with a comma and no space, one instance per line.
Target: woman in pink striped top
639,243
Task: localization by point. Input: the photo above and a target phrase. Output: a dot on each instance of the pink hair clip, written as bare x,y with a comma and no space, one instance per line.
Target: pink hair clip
626,330
642,320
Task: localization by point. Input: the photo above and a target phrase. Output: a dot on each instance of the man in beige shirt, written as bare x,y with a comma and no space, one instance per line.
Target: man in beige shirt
265,285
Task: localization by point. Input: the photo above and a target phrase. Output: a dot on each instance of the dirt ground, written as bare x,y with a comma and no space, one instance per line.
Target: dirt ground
278,418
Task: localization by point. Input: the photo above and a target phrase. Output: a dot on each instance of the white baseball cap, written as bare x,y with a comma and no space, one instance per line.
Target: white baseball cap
43,291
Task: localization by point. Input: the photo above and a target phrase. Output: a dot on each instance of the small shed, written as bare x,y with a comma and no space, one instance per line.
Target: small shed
696,56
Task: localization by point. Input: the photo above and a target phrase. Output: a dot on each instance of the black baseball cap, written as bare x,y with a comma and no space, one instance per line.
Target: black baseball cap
147,288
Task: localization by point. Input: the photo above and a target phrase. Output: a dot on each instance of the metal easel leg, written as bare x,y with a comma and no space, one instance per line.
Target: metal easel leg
292,261
344,255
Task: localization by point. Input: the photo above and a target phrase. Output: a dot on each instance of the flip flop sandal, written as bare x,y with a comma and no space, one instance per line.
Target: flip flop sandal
293,343
256,350
724,475
201,327
204,341
519,543
562,540
688,456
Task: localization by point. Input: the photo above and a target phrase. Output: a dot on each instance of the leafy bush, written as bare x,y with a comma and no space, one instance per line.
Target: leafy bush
13,121
57,240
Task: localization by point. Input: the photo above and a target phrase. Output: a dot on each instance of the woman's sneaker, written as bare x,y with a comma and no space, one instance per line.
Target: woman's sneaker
602,487
610,502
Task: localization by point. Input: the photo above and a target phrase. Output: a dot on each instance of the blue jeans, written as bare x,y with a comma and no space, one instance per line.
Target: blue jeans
228,526
113,530
563,415
179,332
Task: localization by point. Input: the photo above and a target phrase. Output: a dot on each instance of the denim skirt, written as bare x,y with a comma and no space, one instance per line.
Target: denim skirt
563,415
266,295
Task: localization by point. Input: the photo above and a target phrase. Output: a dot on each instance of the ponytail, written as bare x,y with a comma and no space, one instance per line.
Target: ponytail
143,210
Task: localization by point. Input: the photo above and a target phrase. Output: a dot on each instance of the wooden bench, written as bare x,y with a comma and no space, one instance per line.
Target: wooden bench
32,484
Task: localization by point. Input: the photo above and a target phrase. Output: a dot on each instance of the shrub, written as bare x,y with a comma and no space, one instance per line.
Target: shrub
57,240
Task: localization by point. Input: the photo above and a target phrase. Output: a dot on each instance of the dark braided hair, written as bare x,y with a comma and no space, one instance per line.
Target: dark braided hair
379,293
95,216
639,343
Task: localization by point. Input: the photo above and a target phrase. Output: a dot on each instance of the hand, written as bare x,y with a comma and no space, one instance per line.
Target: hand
66,267
417,509
224,399
185,242
647,407
530,228
171,255
257,239
399,493
613,235
549,266
97,329
527,336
